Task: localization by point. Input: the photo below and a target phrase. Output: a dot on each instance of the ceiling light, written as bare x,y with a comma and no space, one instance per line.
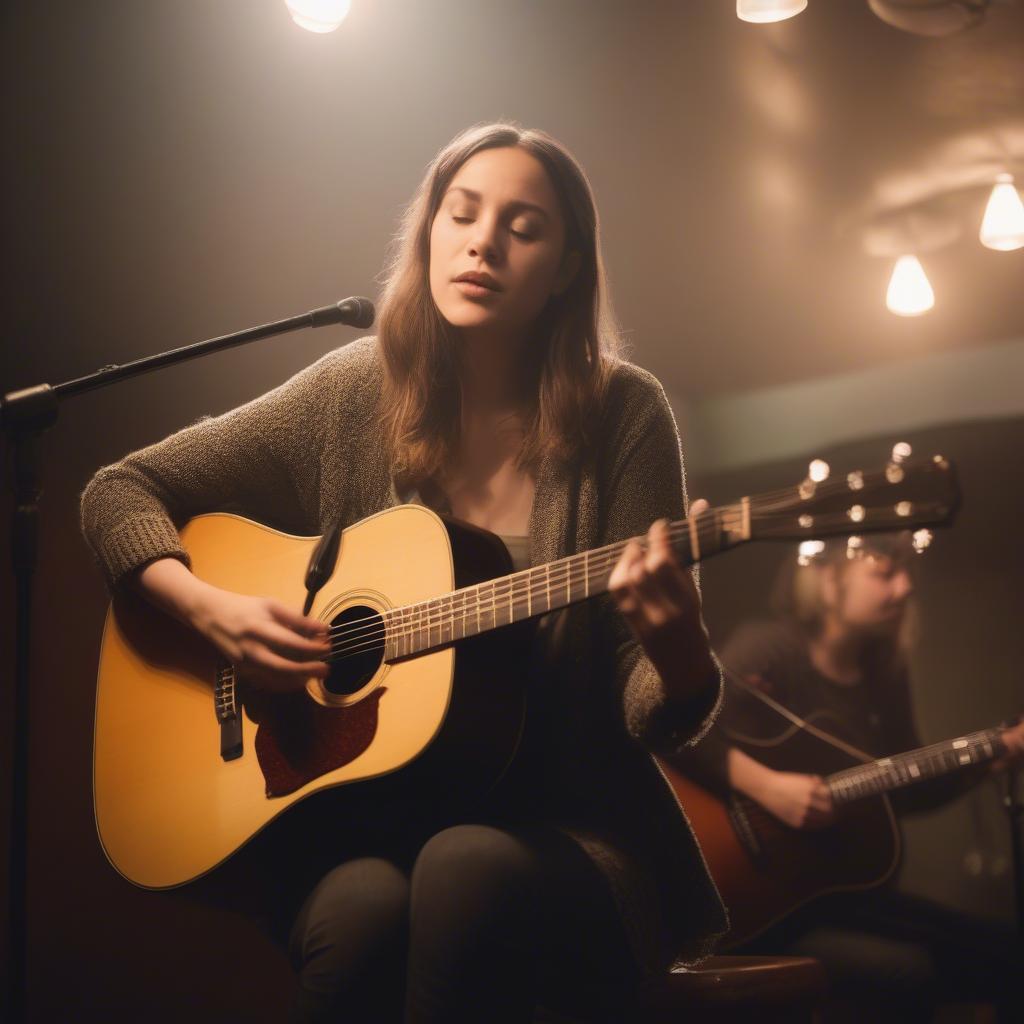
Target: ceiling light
909,292
1002,227
762,11
318,15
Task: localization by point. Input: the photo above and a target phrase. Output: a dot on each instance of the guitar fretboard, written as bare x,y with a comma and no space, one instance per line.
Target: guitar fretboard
470,611
900,770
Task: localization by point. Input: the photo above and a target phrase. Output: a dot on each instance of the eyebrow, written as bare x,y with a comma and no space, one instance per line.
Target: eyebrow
518,204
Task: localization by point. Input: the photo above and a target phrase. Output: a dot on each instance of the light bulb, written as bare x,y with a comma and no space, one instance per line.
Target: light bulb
761,11
1002,227
318,15
909,292
808,551
818,470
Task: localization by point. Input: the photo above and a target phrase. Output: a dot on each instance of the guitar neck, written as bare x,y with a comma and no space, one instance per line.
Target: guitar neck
470,611
889,773
901,496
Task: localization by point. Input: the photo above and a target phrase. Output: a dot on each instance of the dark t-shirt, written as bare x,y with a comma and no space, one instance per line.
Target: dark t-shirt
874,714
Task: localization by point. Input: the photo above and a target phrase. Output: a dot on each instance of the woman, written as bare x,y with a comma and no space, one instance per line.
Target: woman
491,392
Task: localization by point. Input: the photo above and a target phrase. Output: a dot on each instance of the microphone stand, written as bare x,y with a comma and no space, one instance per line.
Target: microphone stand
24,416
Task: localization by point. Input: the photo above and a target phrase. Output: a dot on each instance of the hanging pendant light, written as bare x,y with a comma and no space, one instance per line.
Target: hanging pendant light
318,15
761,11
1002,227
909,292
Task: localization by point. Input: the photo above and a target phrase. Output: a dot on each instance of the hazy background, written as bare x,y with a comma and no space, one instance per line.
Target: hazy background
177,170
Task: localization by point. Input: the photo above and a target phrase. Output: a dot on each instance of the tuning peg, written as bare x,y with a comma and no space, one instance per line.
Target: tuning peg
894,468
921,540
817,471
854,547
808,551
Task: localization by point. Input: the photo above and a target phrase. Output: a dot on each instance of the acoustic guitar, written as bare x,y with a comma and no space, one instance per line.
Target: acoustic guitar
424,694
765,869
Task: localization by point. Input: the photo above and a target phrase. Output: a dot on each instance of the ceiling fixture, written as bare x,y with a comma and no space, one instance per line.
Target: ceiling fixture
318,15
761,11
909,292
1002,227
930,17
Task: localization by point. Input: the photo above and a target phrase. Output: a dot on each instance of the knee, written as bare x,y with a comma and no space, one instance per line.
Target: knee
356,911
475,870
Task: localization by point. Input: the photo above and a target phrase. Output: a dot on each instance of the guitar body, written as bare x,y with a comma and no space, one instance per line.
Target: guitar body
169,807
765,869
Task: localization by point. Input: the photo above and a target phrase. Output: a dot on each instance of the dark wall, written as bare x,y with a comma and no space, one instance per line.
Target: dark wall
966,666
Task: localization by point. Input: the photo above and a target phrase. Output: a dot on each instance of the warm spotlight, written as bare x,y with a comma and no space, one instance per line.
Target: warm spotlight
761,11
909,292
1002,227
318,15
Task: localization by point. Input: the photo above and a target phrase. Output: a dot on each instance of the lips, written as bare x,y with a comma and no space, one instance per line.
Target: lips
483,280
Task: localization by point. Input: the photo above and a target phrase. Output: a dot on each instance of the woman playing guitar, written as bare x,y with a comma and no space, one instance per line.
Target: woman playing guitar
837,659
491,393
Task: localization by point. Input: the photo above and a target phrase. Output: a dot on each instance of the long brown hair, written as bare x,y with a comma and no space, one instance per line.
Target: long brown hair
577,341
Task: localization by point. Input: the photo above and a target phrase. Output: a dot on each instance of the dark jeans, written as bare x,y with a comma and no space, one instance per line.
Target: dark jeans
893,957
477,924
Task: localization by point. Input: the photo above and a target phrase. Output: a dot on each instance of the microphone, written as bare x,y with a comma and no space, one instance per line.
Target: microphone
353,312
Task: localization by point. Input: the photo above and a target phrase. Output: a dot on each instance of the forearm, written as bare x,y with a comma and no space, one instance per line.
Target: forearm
747,776
170,585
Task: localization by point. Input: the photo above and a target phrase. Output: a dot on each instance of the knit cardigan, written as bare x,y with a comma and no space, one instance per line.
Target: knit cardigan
313,448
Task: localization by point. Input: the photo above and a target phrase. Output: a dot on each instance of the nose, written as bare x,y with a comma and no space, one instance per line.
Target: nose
902,584
484,242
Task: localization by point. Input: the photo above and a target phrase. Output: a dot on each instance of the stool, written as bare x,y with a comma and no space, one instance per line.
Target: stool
726,989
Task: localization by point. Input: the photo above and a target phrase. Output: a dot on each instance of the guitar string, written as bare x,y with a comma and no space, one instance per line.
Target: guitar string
767,505
574,570
516,588
372,631
502,587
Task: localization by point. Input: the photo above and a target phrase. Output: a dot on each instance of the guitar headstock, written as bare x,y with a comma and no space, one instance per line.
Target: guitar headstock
905,494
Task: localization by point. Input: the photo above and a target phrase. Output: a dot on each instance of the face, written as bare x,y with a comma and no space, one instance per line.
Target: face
500,218
870,593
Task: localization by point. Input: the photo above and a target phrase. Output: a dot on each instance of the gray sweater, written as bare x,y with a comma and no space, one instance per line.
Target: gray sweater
312,448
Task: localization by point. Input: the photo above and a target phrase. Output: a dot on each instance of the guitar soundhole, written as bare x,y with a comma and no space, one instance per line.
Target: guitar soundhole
358,640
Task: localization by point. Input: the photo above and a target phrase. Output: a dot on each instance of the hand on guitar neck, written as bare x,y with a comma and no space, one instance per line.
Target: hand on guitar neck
798,800
269,644
1013,738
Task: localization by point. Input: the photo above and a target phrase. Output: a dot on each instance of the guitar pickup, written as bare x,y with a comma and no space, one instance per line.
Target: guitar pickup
228,717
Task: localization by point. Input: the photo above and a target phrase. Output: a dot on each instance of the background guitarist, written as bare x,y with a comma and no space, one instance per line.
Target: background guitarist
840,647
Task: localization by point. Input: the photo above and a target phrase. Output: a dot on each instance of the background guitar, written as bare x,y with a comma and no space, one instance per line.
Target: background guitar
765,869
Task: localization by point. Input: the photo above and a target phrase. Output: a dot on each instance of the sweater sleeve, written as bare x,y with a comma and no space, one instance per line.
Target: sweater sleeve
646,482
262,458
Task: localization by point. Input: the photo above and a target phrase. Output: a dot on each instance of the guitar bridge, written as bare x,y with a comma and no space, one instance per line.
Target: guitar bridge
226,707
